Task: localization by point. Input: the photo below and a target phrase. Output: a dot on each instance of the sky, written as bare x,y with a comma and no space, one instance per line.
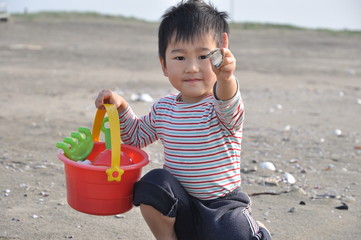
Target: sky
331,14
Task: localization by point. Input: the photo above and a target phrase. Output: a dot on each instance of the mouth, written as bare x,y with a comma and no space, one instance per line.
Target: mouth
192,80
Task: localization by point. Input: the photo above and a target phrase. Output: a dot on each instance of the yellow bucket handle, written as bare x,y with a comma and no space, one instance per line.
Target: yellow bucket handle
114,172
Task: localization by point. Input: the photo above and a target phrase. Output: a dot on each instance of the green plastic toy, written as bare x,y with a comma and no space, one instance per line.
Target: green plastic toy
106,131
78,146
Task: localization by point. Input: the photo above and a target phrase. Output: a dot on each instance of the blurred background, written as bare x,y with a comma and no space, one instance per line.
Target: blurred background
329,14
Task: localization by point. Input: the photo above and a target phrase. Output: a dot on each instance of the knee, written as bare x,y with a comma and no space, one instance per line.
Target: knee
160,178
157,176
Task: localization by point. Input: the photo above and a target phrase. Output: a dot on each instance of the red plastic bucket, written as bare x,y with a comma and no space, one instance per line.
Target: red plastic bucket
88,187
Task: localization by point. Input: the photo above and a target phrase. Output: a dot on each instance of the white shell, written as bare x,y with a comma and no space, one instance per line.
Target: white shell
216,57
338,132
85,162
268,165
289,178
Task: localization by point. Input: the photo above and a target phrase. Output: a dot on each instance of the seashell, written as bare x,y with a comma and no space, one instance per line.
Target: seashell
272,181
289,178
294,160
268,165
145,97
216,57
85,162
287,128
279,106
338,132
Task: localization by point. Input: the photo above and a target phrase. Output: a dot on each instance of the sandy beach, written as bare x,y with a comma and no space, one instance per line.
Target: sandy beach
302,92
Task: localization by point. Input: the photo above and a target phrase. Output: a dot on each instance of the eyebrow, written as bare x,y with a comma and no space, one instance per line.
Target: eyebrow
181,50
178,50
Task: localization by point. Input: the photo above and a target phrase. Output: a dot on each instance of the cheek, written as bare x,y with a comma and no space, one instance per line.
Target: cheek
174,71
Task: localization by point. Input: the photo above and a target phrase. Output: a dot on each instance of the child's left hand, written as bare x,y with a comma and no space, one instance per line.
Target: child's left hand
226,70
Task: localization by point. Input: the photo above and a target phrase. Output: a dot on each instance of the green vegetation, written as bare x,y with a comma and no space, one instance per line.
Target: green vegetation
72,16
254,25
234,25
263,26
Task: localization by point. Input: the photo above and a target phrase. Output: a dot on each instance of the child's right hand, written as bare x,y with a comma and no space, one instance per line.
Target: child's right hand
108,96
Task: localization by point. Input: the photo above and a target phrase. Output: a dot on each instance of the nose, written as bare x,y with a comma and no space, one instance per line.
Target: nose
192,66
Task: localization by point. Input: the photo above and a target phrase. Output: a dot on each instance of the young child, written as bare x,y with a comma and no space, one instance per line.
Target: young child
197,194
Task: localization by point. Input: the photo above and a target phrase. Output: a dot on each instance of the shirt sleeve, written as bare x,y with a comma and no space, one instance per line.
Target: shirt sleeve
137,131
230,112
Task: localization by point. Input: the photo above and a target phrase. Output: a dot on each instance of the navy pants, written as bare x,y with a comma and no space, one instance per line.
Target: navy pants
228,217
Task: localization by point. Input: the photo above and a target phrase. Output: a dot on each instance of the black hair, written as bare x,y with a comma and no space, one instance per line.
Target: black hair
188,20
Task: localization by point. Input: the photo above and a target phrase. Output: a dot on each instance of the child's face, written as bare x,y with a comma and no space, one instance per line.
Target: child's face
188,69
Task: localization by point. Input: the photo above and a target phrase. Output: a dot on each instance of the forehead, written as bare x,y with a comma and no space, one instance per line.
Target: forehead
204,40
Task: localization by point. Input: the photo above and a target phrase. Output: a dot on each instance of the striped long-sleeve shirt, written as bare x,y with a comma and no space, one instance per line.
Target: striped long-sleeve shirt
202,141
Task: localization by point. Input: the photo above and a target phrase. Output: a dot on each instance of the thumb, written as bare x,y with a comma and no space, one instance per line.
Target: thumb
224,40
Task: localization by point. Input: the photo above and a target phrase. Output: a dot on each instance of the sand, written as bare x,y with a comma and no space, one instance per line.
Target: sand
302,91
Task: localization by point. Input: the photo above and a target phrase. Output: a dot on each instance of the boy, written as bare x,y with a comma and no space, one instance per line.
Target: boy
197,193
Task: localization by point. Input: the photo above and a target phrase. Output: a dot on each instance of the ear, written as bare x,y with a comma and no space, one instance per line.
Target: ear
164,67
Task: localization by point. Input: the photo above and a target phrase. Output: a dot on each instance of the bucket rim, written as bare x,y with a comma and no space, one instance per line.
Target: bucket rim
135,166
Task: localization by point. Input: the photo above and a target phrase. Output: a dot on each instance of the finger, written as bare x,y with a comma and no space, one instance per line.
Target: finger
227,68
224,40
102,98
99,103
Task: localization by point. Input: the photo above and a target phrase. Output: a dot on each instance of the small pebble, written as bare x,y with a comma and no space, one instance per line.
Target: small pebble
44,194
7,192
342,207
249,170
39,167
292,209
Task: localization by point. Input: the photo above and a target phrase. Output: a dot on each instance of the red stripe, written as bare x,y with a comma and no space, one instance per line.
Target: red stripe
187,143
204,149
199,169
200,156
218,179
189,129
197,136
207,187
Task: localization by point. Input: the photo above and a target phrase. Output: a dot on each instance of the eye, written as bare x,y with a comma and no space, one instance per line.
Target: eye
202,57
179,58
